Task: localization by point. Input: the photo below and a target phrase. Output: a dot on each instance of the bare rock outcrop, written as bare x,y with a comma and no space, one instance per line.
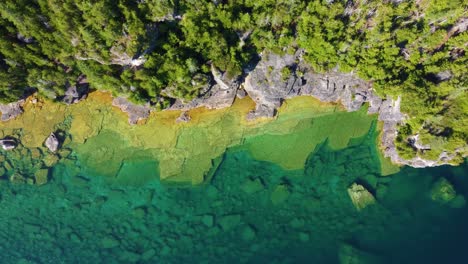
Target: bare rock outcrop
276,78
135,112
78,92
11,110
216,96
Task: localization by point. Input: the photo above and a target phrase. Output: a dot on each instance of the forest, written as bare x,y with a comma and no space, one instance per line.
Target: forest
156,50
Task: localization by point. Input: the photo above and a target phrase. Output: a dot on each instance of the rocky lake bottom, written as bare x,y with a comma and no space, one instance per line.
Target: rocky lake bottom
311,189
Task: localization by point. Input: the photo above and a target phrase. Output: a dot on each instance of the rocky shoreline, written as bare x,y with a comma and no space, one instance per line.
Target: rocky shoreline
274,79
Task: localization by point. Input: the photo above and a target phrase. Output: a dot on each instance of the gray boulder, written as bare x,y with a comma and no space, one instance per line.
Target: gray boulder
135,112
11,110
8,143
52,142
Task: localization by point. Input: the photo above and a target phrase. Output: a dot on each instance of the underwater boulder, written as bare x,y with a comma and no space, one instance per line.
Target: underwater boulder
360,196
8,143
52,142
444,192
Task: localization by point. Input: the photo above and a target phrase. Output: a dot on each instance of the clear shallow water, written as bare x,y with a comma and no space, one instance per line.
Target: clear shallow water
249,211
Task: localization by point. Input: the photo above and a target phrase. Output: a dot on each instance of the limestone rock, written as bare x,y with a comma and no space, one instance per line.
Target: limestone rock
76,93
360,196
8,143
276,78
11,110
135,112
52,142
184,117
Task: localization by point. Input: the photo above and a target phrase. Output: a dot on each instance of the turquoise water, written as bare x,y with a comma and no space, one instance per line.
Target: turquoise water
249,211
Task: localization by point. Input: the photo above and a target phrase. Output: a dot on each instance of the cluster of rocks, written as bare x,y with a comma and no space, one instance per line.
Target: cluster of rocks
30,165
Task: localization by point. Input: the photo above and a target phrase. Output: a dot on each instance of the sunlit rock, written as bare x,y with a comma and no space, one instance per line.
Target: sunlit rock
360,196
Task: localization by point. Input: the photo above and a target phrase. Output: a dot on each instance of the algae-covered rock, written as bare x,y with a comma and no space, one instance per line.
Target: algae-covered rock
280,194
17,178
349,254
444,192
41,176
228,222
304,237
248,233
109,242
360,196
252,186
148,254
207,220
50,160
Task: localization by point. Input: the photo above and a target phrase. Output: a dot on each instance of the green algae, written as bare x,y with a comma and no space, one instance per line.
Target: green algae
101,138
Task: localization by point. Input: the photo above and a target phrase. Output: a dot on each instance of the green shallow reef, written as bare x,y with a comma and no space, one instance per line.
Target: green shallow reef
249,211
273,197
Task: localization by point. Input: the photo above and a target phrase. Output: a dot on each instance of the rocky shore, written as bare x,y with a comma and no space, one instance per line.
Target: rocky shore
274,79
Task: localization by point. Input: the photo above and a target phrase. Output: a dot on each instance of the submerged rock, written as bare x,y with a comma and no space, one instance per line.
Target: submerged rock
52,142
8,143
349,254
207,220
109,242
444,192
280,194
228,222
248,233
360,196
41,176
252,186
